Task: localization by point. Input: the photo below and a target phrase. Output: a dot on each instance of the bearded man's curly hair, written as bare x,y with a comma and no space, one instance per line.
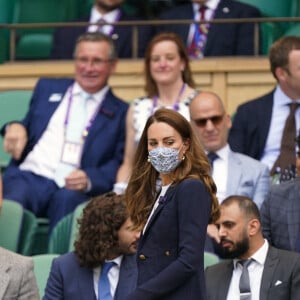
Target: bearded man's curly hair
101,220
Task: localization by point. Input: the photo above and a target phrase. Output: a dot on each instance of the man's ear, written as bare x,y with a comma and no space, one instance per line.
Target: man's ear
253,227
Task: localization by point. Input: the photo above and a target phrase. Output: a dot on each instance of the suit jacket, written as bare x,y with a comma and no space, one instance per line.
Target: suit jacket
247,177
103,148
280,215
64,39
67,280
222,39
170,251
17,279
280,265
251,125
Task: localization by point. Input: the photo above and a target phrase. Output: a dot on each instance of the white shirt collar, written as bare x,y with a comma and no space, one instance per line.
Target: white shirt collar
211,4
99,96
223,152
280,98
109,17
259,256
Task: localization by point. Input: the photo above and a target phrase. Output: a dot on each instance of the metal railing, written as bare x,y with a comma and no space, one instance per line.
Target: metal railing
136,24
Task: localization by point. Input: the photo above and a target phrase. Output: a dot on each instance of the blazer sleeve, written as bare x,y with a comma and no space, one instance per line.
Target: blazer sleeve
266,218
262,185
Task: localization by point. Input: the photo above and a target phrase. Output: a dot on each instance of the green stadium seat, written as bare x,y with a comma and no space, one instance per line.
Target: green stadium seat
293,30
42,266
10,224
36,43
5,18
210,259
13,106
271,8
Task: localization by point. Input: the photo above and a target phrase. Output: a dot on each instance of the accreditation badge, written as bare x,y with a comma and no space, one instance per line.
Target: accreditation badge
71,153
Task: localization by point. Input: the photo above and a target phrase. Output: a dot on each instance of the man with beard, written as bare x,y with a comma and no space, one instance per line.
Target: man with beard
268,273
106,241
103,11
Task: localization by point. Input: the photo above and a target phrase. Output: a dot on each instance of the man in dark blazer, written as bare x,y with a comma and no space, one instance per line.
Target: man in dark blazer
222,39
62,153
64,38
280,212
273,274
105,234
258,124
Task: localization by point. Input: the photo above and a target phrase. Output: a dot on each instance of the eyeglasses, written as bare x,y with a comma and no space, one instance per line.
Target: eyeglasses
216,120
96,62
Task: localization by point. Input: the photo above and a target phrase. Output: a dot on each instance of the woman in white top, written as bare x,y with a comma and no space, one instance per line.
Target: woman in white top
169,84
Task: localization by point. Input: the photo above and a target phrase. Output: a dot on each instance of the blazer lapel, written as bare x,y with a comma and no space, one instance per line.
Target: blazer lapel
86,284
223,285
168,197
127,277
268,272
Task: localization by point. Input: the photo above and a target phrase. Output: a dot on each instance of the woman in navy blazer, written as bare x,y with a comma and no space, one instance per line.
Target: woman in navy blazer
174,217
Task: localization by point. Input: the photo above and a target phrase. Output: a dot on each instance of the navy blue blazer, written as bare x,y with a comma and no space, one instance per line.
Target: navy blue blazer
64,39
170,252
222,39
104,145
251,125
67,280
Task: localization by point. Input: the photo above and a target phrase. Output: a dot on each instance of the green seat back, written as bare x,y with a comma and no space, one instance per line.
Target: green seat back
272,8
210,259
60,236
42,266
293,30
13,106
36,43
74,227
28,231
10,224
6,10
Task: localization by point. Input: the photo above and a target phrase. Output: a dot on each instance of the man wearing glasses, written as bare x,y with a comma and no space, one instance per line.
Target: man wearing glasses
233,173
70,144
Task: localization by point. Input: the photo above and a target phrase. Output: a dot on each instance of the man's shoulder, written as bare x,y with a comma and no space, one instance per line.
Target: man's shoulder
249,161
240,6
55,81
177,12
218,268
286,258
7,256
285,188
263,100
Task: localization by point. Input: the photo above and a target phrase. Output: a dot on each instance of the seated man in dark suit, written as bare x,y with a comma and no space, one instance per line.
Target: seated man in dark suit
256,270
105,238
70,144
213,39
280,212
259,125
103,11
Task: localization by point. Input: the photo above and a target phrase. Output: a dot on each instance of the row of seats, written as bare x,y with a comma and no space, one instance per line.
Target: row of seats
36,43
21,235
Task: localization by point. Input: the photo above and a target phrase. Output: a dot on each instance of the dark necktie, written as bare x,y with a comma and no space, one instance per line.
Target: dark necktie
244,285
287,156
104,285
212,156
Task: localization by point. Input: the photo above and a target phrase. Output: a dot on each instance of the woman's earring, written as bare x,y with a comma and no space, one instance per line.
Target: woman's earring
148,160
183,157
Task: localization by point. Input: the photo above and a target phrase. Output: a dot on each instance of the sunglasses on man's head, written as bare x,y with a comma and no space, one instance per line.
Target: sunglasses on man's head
216,120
